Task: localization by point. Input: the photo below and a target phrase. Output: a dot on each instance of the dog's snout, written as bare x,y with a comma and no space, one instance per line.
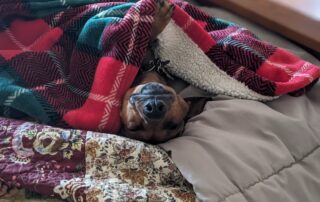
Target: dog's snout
154,109
153,88
153,100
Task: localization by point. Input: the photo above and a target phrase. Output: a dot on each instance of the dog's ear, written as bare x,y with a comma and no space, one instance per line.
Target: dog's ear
196,105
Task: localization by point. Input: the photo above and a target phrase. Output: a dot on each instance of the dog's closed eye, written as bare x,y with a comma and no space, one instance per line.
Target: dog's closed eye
134,128
170,125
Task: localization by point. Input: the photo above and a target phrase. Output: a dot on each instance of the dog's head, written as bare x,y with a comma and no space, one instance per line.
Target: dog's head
152,111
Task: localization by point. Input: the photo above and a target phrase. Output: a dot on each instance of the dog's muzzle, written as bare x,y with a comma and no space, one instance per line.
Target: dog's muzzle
153,101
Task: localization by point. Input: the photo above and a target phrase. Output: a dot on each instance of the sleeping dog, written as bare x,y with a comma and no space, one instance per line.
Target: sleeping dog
152,111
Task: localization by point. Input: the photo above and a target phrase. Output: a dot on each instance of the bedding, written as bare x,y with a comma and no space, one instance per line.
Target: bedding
74,67
236,150
247,151
86,166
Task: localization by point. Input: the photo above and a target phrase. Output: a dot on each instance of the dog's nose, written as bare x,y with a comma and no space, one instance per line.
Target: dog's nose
153,101
154,109
153,88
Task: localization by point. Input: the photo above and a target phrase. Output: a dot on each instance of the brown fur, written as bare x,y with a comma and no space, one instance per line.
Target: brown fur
153,131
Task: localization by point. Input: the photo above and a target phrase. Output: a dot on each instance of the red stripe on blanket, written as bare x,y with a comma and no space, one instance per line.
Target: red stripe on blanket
288,71
298,81
25,31
112,79
23,35
194,30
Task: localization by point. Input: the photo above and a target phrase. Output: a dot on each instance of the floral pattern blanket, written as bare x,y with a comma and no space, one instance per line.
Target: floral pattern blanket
86,166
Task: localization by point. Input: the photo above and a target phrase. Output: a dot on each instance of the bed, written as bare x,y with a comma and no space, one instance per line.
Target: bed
240,150
235,150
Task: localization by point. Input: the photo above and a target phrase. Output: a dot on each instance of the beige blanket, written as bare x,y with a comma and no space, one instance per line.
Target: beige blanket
241,150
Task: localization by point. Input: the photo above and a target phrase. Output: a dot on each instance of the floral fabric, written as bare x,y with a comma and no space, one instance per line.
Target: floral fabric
86,166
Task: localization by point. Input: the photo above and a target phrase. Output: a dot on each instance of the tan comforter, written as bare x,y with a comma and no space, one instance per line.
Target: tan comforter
241,150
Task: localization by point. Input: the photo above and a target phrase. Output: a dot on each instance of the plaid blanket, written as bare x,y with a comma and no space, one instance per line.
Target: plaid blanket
69,63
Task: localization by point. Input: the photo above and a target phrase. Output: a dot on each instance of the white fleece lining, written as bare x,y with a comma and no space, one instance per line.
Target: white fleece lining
189,62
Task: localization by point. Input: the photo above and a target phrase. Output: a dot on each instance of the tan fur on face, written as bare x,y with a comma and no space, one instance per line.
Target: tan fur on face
153,131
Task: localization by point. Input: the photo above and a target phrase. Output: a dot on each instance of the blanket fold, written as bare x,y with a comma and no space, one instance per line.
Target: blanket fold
69,63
